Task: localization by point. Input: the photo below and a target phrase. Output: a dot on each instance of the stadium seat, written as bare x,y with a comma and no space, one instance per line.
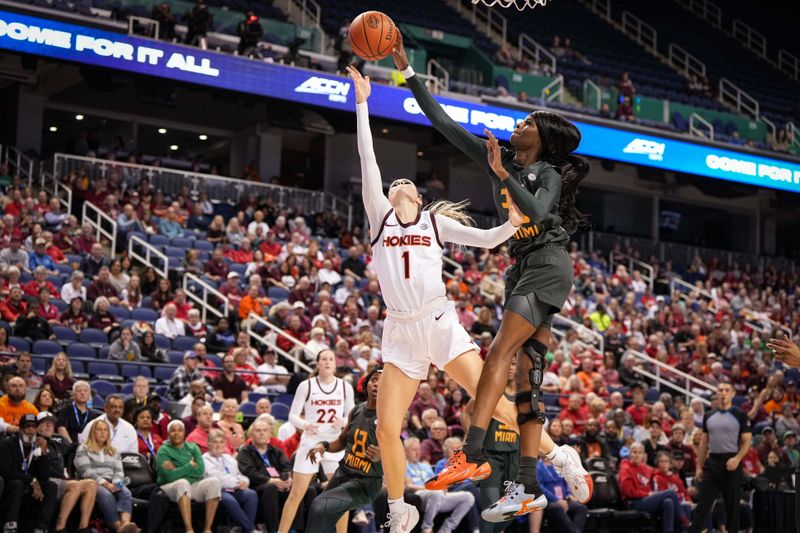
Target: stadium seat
120,313
98,402
45,347
175,357
94,337
64,335
102,370
159,240
163,373
163,342
103,353
81,350
144,314
127,388
280,411
277,294
182,242
204,246
103,388
19,344
183,344
248,409
78,367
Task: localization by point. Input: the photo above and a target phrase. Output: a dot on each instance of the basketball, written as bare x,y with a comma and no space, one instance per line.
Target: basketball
372,35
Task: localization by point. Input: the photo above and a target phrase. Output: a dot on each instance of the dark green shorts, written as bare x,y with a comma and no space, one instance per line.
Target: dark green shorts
504,468
361,489
545,273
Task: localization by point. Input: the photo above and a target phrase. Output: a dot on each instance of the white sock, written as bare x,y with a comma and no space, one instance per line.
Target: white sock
557,456
397,507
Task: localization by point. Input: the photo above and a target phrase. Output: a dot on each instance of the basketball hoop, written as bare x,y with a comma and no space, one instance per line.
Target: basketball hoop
521,5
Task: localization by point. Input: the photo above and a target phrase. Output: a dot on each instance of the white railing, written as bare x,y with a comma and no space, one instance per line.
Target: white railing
554,90
601,7
793,133
749,37
587,85
757,319
640,31
685,62
587,335
646,269
220,188
104,225
700,127
678,284
20,165
789,63
191,285
704,9
55,188
688,395
276,331
150,25
439,73
771,128
528,46
733,96
151,254
688,380
491,18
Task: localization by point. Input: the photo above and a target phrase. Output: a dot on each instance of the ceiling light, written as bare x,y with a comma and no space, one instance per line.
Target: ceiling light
173,147
420,153
203,137
385,130
162,130
53,129
78,117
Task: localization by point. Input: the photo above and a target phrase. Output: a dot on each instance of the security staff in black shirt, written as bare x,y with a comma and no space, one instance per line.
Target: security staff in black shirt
724,442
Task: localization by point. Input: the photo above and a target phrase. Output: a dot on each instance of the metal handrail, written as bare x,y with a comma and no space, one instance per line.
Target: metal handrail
312,10
789,63
444,81
150,252
190,282
677,281
793,133
705,9
56,188
601,7
771,128
650,271
737,98
752,318
583,331
549,93
589,84
695,119
659,365
750,38
494,21
527,45
254,318
145,22
685,62
90,210
665,382
19,164
642,33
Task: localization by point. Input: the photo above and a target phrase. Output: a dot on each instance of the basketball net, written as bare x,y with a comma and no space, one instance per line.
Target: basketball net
521,5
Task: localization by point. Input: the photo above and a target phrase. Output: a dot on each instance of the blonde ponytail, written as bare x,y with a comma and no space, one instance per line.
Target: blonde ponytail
454,210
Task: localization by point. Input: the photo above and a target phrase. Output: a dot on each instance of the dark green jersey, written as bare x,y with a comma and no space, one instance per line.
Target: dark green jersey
500,438
360,435
536,189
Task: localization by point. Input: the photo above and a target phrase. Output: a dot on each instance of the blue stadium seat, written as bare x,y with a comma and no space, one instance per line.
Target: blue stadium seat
280,411
39,364
103,388
144,313
204,245
163,342
103,353
182,242
56,281
248,409
64,335
120,313
45,347
79,349
147,303
127,389
19,344
74,258
78,367
183,344
175,357
98,402
159,240
94,337
160,390
61,305
127,323
277,294
102,370
163,373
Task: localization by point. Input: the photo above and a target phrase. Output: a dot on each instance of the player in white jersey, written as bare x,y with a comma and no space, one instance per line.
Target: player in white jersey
325,402
422,326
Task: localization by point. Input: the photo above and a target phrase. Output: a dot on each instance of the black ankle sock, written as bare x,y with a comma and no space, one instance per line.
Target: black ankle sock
526,475
474,442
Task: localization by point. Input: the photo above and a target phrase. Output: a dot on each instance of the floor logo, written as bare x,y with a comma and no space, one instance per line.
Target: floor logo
335,90
652,149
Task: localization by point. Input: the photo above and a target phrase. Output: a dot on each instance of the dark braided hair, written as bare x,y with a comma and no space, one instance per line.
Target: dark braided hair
560,138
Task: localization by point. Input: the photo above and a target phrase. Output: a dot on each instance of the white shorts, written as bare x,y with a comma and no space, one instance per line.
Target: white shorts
303,465
435,335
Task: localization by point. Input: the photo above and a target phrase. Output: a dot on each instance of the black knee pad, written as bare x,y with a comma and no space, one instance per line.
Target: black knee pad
536,351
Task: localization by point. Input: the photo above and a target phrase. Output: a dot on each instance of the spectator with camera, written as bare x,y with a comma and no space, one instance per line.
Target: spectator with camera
250,32
198,22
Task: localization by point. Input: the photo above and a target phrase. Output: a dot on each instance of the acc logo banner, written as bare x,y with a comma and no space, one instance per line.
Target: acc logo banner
652,149
335,90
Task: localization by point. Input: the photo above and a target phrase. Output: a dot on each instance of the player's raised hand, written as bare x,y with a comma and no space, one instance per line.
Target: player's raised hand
361,83
786,351
399,53
494,156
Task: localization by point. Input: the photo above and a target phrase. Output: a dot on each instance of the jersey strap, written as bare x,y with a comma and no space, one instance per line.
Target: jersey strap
380,230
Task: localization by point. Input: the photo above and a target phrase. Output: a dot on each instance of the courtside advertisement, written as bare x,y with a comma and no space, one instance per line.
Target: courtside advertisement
71,42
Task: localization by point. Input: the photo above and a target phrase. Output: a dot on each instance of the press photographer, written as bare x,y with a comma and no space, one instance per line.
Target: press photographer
198,20
250,33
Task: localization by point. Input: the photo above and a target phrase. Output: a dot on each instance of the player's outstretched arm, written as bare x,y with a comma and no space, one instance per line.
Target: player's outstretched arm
453,231
375,202
468,143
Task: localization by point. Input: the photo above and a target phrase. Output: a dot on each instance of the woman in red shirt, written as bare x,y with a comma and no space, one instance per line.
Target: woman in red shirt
149,442
635,483
665,479
47,310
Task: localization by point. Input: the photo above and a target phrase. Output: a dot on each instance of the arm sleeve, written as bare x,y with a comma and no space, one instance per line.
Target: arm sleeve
536,206
468,143
375,203
297,405
457,233
116,463
349,399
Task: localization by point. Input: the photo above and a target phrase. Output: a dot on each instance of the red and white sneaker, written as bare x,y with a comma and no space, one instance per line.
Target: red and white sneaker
572,470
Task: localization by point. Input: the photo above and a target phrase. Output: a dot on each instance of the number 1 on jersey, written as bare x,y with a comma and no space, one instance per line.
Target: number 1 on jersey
406,264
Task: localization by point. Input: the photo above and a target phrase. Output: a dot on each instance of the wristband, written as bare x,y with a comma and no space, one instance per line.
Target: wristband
408,72
325,444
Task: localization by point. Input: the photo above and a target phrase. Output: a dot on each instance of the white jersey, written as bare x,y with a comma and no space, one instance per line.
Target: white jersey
408,261
322,405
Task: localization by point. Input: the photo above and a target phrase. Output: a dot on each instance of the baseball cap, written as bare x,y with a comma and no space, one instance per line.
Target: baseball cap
233,275
299,305
316,331
44,416
766,430
27,420
789,434
678,455
190,355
